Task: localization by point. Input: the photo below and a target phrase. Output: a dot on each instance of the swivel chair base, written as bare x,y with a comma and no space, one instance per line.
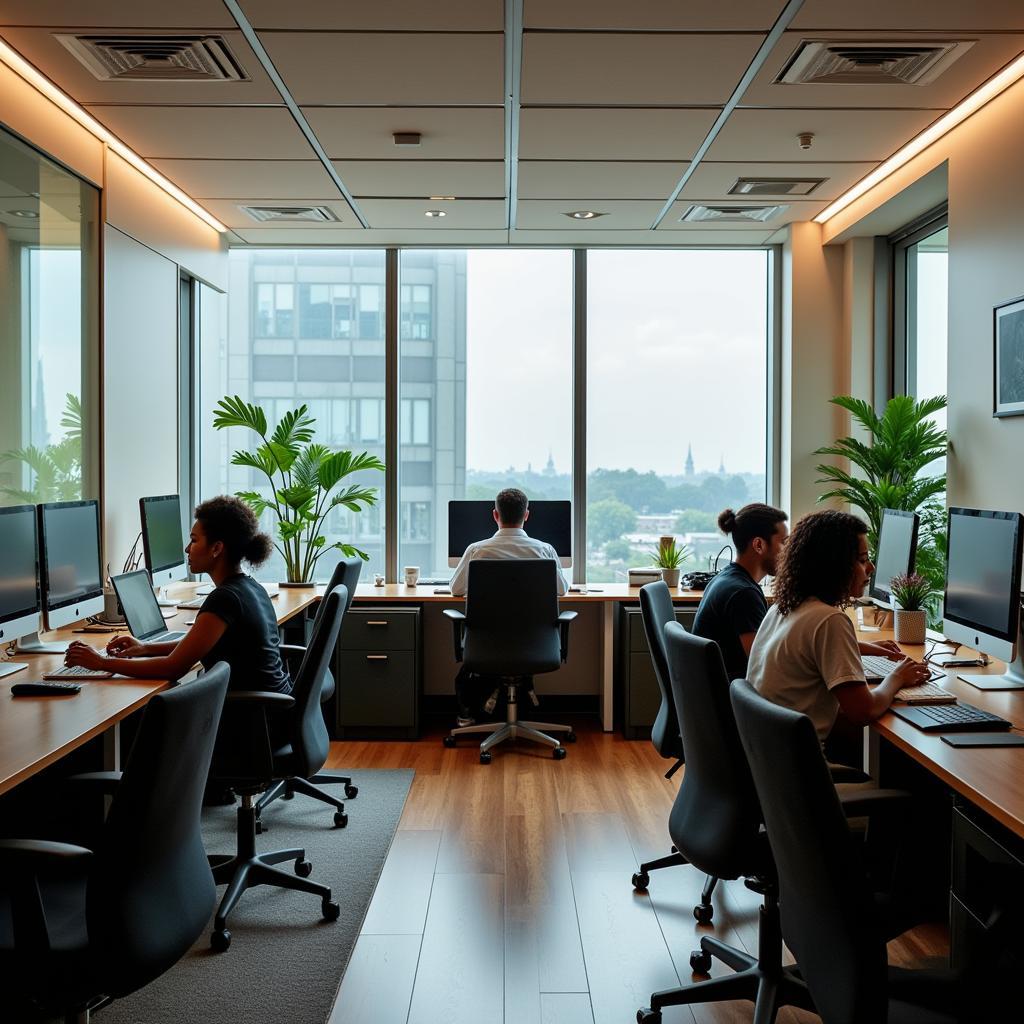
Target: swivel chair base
247,868
285,789
703,911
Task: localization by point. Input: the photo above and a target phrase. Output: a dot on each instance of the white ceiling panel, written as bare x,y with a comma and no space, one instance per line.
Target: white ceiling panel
614,69
191,14
240,179
669,239
49,55
713,180
550,214
339,68
229,133
571,179
859,135
986,56
376,238
423,178
909,14
395,15
411,214
648,15
448,133
566,133
794,211
227,212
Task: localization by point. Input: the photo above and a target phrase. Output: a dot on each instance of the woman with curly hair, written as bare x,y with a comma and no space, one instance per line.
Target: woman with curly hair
236,623
806,655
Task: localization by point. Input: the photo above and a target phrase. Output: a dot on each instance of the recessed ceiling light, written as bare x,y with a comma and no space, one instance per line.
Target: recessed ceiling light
27,214
441,199
583,214
434,213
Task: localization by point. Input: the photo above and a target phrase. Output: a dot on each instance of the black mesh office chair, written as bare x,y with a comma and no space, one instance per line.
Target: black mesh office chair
267,737
828,914
657,612
346,574
79,928
512,629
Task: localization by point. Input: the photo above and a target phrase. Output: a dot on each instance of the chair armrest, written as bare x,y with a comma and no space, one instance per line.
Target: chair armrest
27,855
458,621
564,618
869,803
102,782
255,698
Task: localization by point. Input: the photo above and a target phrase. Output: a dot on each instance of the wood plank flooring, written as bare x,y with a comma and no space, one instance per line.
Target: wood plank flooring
506,896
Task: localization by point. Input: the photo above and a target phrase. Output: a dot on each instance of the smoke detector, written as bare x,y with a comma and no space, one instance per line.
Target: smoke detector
155,58
731,214
314,214
862,62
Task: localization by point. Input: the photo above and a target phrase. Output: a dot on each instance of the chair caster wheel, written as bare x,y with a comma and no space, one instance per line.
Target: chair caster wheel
340,819
641,880
259,827
700,961
303,868
351,792
704,912
287,795
220,940
485,757
558,753
648,1016
570,737
449,742
331,911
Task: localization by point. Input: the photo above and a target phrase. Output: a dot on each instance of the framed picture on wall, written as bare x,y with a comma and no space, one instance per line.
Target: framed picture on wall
1009,358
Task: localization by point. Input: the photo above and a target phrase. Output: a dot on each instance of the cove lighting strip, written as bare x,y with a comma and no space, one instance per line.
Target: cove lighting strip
963,110
40,82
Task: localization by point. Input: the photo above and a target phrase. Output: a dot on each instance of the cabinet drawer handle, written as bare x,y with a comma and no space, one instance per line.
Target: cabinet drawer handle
376,657
377,622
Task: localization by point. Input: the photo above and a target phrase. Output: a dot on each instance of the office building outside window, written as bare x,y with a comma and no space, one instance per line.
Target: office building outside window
927,294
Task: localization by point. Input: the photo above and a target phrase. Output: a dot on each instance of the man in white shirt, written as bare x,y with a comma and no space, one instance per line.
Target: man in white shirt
511,511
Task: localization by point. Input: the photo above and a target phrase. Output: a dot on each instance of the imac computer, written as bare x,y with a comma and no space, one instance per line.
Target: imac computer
162,541
469,521
69,565
897,548
19,579
982,599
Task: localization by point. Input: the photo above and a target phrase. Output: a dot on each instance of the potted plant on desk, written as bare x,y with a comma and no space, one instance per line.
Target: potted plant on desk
910,596
301,476
669,557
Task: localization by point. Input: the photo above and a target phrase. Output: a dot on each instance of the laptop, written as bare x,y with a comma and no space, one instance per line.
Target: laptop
141,610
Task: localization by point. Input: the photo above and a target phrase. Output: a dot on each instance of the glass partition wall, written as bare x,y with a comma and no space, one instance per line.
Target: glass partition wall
48,329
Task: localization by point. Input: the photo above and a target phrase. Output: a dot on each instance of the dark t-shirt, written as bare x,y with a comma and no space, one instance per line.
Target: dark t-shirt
732,604
251,643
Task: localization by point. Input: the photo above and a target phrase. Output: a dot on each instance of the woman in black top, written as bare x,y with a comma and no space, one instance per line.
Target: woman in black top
236,623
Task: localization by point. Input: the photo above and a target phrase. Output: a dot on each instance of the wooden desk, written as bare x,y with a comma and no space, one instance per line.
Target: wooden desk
608,595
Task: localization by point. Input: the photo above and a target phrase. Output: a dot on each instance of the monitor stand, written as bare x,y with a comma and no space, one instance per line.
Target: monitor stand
31,644
1011,679
163,600
8,668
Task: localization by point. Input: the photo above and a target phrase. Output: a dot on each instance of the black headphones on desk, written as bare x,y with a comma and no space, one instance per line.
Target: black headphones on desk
699,580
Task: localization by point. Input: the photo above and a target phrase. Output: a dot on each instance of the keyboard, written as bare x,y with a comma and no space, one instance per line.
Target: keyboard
194,602
433,581
44,689
950,718
877,666
926,693
77,672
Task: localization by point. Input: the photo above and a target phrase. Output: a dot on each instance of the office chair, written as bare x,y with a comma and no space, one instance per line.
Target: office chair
656,612
715,823
346,574
827,906
511,629
267,737
78,927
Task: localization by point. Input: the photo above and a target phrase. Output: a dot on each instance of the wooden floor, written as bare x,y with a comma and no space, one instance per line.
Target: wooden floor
506,895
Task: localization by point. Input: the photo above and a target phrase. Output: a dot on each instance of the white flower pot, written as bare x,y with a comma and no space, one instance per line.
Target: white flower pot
910,626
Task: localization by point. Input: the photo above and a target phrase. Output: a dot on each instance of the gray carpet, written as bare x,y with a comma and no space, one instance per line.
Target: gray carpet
285,964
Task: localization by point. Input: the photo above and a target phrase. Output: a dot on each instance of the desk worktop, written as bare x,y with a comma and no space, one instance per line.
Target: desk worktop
597,593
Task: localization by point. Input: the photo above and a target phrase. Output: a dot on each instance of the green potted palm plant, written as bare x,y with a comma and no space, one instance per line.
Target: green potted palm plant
669,557
301,476
57,468
910,596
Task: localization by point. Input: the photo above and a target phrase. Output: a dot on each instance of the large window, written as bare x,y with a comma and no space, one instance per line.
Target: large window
677,347
927,291
48,336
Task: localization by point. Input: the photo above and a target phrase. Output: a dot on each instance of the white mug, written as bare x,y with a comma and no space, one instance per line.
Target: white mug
378,579
412,575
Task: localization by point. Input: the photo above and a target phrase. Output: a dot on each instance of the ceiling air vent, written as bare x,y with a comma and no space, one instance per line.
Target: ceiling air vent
859,62
775,186
731,214
316,214
182,58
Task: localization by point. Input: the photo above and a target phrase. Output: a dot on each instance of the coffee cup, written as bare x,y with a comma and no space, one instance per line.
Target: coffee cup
378,579
412,575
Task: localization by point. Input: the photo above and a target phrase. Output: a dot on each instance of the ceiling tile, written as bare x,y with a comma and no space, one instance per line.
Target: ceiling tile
554,179
567,133
192,14
228,213
931,14
376,238
795,211
239,133
618,215
422,178
713,180
49,55
339,68
646,239
692,16
395,15
600,68
987,54
448,133
411,213
770,135
239,179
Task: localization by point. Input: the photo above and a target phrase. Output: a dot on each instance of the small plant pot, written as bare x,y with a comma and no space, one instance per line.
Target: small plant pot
304,583
671,577
910,626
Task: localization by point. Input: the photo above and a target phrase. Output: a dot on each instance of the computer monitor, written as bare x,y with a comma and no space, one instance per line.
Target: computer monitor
70,571
19,578
982,599
897,548
469,521
162,540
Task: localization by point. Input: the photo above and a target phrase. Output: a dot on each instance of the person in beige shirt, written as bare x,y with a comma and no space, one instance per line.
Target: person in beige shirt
805,655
